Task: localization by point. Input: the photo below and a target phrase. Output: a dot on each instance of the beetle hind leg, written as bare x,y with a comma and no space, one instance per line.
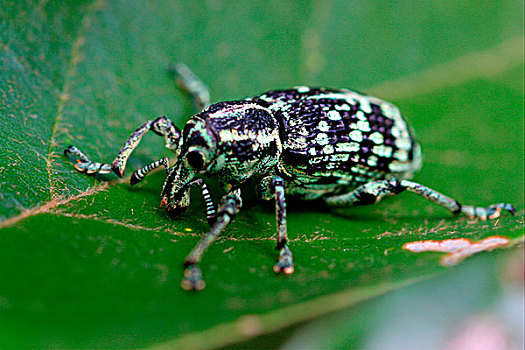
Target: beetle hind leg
493,211
372,192
490,212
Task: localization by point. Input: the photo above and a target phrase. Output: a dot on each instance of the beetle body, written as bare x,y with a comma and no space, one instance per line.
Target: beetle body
336,140
337,146
320,141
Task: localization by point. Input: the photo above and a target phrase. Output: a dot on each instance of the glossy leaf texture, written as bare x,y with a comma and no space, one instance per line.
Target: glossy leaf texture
91,262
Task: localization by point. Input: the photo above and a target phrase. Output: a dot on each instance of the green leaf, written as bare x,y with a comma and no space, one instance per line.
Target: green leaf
483,309
94,263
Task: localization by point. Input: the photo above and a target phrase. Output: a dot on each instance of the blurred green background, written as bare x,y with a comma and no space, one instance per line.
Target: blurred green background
94,263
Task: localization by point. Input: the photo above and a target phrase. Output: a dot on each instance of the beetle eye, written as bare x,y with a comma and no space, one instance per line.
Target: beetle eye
195,160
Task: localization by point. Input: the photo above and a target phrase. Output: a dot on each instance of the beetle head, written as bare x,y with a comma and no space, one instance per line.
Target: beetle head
197,150
236,140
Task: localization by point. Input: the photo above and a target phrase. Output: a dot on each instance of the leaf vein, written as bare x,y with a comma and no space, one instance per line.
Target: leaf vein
55,202
64,95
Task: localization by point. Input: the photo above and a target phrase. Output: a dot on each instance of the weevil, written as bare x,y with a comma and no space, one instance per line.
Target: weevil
337,146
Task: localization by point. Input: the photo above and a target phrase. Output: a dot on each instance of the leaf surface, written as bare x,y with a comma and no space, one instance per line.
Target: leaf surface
95,263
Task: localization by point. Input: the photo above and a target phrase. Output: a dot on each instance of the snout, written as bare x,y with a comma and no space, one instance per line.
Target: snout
176,207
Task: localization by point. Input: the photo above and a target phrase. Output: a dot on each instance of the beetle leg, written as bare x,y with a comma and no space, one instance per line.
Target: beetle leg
372,192
368,193
493,211
230,205
191,83
273,187
285,262
84,165
161,126
211,214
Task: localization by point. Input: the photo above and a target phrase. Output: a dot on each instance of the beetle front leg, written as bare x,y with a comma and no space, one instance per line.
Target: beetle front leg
228,208
161,126
191,83
84,164
372,192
